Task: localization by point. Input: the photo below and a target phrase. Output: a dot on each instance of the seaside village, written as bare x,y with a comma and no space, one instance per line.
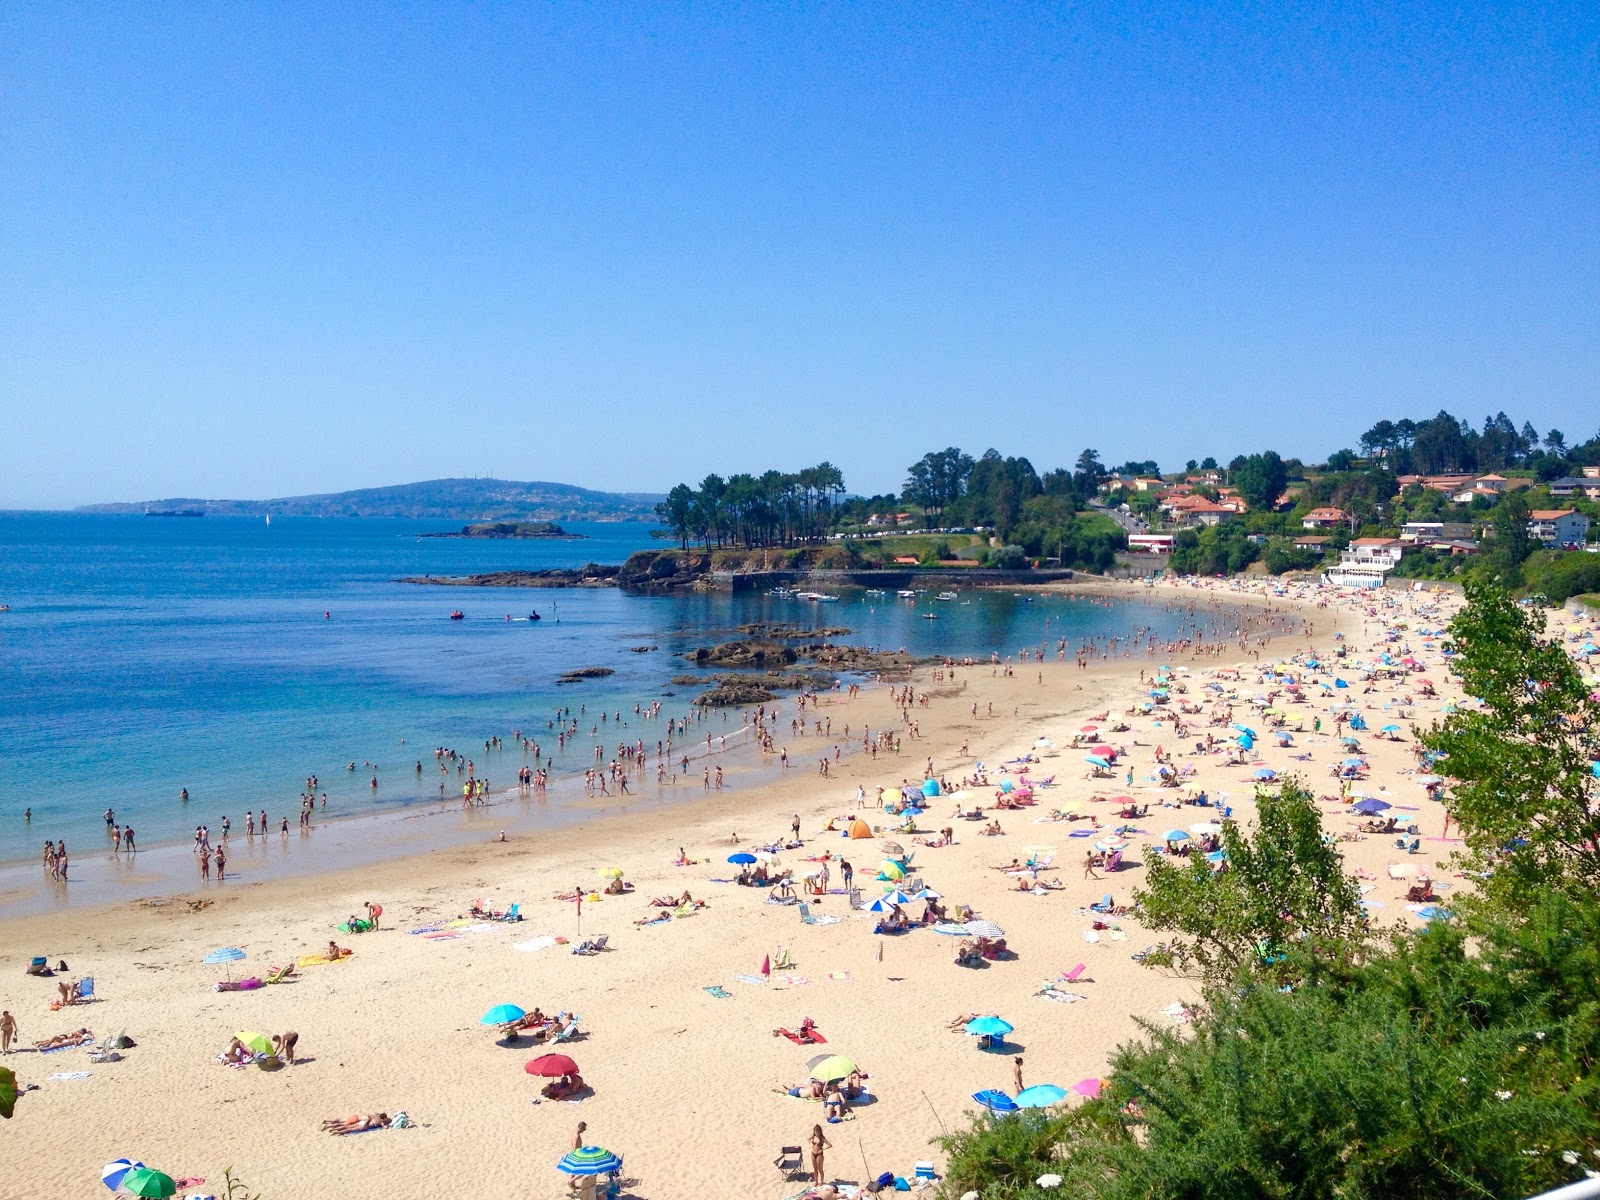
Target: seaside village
1202,500
801,988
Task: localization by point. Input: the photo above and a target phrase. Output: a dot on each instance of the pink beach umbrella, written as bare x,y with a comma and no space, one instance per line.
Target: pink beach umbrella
1089,1087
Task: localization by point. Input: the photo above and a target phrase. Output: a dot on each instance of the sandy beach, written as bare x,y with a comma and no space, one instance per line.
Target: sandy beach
682,1077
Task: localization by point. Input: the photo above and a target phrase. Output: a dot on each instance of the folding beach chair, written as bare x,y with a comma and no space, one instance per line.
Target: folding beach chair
805,914
790,1161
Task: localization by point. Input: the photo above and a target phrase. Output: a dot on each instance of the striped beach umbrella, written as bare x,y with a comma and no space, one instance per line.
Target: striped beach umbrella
995,1101
227,954
590,1160
112,1174
984,929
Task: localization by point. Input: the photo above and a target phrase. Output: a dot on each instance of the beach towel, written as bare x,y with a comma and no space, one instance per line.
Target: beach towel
824,919
791,979
719,992
70,1075
816,1039
1090,935
316,960
755,979
839,976
442,935
1061,995
533,944
430,927
68,1046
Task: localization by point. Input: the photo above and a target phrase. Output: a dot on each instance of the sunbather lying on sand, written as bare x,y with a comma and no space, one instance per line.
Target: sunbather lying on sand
811,1089
356,1123
564,1088
76,1038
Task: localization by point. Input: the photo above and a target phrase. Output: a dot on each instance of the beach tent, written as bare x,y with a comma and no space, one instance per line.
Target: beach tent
930,787
859,829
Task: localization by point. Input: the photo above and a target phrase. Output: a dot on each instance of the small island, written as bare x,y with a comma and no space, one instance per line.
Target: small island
511,529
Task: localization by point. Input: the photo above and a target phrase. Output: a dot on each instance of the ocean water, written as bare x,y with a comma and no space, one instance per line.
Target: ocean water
141,656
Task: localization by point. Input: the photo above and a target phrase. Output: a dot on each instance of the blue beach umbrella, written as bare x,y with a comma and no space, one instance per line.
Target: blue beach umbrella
1266,773
113,1174
990,1026
1094,760
1217,856
1040,1095
1244,729
911,810
742,858
994,1101
1369,807
1175,835
228,954
1390,729
1355,762
1432,912
1246,742
590,1160
502,1014
881,905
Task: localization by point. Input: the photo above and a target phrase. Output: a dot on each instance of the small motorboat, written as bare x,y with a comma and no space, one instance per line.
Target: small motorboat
906,594
929,616
947,596
458,615
533,616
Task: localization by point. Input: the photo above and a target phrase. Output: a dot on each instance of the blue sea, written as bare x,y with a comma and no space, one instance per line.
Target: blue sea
142,656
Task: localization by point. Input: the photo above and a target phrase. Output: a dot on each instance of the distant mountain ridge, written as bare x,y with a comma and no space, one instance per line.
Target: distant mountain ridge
444,499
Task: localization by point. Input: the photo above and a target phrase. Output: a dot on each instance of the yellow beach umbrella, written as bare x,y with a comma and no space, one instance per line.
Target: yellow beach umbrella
610,872
256,1043
891,870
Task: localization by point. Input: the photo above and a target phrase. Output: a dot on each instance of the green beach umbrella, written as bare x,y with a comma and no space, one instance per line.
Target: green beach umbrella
830,1067
145,1182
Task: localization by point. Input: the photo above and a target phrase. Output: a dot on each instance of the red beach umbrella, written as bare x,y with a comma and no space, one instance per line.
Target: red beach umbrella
552,1066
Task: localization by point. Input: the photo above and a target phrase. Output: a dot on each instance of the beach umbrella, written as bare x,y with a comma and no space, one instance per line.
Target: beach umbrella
1088,728
500,1014
1244,729
552,1066
859,829
1246,742
912,811
1432,912
743,858
256,1043
928,894
960,796
1006,785
1266,773
1205,827
591,1160
112,1174
1355,762
994,1101
1390,729
897,897
1105,751
891,870
1369,807
985,929
1040,1095
1175,835
809,872
1110,845
828,1067
610,872
765,855
1094,760
951,928
881,905
1089,1087
1429,780
142,1181
990,1026
224,956
894,848
1350,741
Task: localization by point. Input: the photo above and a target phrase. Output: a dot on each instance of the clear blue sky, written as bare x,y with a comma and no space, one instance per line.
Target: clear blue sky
255,250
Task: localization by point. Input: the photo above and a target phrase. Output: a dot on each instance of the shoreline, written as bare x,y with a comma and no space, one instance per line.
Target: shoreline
370,839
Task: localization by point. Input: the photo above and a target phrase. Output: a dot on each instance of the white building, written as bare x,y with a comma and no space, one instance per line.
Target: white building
1558,526
1367,562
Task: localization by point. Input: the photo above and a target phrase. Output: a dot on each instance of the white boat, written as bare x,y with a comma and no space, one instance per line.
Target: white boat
930,616
876,592
947,595
781,593
820,598
907,594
